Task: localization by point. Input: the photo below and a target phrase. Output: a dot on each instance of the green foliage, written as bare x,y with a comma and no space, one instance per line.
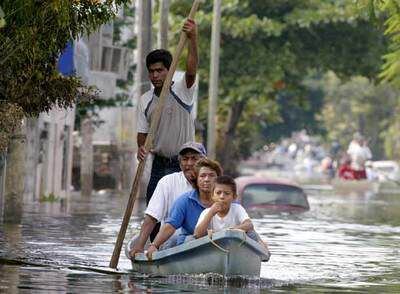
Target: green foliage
391,135
2,20
390,11
391,68
297,110
49,198
34,35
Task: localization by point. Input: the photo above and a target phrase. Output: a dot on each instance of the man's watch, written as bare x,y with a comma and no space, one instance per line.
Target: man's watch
152,244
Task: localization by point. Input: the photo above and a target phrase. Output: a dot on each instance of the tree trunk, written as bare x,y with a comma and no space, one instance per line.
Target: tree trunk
15,176
87,157
127,147
227,150
2,182
162,40
144,13
143,46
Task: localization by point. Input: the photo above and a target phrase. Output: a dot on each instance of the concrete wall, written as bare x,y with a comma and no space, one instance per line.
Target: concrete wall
56,163
105,82
49,154
32,158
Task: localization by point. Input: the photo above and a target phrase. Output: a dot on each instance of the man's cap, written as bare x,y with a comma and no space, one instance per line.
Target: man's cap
198,147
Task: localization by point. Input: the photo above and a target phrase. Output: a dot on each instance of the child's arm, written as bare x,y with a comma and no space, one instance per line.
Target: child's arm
202,224
246,225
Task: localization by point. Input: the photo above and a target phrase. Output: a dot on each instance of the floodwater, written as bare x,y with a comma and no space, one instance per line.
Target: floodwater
343,244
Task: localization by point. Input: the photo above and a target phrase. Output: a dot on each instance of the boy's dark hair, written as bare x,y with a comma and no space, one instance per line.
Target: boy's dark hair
159,55
226,180
206,162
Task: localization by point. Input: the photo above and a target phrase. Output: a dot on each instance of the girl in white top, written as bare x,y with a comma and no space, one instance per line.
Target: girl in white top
224,214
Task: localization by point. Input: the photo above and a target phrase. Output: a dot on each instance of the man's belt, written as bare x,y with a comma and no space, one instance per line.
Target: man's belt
166,160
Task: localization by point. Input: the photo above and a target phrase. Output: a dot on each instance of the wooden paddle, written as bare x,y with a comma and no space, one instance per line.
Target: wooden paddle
149,140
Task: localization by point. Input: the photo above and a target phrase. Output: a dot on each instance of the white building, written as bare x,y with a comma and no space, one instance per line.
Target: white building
49,150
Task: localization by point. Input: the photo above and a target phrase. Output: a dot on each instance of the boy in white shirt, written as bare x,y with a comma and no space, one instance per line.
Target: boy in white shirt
224,214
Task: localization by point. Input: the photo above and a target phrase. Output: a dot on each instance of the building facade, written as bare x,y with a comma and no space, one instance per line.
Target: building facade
49,137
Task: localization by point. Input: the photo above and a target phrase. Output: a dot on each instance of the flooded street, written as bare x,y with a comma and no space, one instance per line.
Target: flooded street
292,96
344,243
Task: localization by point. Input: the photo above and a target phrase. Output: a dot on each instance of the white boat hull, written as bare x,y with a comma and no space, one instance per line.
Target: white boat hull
230,253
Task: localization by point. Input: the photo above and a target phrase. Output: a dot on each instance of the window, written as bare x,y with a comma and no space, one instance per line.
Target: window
273,194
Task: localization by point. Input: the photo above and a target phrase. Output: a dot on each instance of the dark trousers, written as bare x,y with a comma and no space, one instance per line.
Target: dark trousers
162,166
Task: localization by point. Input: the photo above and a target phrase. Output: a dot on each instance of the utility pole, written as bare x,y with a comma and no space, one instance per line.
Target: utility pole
162,40
213,84
143,46
142,83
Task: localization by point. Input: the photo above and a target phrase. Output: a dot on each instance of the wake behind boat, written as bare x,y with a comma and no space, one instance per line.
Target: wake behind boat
229,253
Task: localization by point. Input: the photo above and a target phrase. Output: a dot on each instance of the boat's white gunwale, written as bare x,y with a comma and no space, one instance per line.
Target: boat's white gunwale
237,235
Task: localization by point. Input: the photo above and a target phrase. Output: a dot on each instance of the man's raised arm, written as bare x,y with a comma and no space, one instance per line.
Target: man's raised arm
190,28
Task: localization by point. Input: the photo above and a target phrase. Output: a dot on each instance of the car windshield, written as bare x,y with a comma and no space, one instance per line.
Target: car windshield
275,194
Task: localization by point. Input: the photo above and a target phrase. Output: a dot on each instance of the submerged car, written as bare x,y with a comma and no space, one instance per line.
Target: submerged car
263,193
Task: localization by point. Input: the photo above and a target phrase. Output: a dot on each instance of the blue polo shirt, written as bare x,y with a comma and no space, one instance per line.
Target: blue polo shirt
184,214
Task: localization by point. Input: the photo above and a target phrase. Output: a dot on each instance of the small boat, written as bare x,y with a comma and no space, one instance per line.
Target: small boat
228,253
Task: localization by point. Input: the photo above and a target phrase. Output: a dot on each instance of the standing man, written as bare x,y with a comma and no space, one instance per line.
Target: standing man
359,154
168,189
176,125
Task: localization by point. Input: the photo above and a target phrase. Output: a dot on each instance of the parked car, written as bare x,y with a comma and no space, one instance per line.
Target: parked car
263,193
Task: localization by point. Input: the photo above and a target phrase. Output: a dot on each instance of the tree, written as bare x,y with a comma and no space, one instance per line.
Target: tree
356,105
34,35
389,12
391,135
267,48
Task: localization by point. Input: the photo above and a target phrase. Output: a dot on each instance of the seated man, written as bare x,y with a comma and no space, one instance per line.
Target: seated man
188,207
168,189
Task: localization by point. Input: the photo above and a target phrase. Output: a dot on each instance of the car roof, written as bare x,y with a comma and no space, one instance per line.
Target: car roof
248,180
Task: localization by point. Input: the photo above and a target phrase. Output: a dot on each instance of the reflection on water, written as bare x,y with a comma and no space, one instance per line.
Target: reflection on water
344,243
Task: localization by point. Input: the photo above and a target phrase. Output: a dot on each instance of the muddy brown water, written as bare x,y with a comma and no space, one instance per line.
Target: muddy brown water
343,244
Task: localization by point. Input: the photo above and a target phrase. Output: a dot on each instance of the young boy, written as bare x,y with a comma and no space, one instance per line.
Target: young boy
225,214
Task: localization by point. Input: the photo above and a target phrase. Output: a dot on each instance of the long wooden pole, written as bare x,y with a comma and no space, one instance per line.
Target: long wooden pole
149,140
